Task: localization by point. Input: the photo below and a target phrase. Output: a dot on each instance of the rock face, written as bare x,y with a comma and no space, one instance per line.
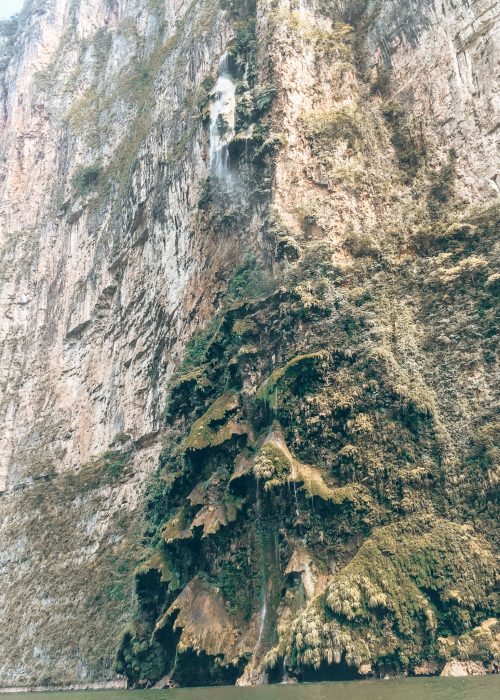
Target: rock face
248,263
461,668
102,275
450,82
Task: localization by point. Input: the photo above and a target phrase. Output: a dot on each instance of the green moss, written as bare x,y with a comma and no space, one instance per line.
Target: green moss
272,466
140,657
314,485
213,428
196,377
248,281
177,528
197,346
159,563
374,396
87,179
403,583
300,366
232,579
480,644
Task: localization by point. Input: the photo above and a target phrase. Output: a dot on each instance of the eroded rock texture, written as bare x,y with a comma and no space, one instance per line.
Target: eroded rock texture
248,340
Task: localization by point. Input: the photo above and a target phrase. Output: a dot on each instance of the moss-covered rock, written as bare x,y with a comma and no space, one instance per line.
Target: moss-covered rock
407,584
214,427
272,466
328,487
300,366
481,644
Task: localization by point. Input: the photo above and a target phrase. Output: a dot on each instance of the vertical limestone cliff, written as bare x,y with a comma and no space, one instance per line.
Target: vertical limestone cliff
248,339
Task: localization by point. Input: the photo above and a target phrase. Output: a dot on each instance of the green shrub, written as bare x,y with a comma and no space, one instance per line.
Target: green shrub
87,179
362,245
115,463
408,151
248,281
327,128
442,185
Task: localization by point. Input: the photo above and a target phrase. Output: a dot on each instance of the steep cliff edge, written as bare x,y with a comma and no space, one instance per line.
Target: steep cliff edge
260,244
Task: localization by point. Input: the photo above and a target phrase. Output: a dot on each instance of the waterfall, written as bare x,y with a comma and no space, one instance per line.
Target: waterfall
263,612
253,674
297,511
285,679
222,111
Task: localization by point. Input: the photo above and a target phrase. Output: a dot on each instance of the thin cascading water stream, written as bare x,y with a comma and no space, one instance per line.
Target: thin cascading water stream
222,114
285,678
263,614
263,611
297,510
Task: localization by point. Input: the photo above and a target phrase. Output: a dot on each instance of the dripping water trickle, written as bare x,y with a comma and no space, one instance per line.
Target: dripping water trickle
285,677
297,511
263,614
263,611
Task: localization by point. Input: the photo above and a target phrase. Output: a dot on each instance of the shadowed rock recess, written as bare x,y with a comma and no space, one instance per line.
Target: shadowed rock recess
249,280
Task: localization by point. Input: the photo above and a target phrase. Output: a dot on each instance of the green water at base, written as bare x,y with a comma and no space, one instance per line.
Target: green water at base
470,688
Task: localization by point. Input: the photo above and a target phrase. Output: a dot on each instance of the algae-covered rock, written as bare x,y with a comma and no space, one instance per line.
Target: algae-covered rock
332,429
177,528
276,466
158,563
211,518
216,427
314,484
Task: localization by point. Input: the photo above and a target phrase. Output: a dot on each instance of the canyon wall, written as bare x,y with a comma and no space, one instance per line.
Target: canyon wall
172,170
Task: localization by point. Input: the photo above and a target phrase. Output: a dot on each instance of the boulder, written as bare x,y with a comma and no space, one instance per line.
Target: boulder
456,668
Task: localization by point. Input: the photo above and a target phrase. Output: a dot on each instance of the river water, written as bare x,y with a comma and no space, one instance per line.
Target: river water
470,688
